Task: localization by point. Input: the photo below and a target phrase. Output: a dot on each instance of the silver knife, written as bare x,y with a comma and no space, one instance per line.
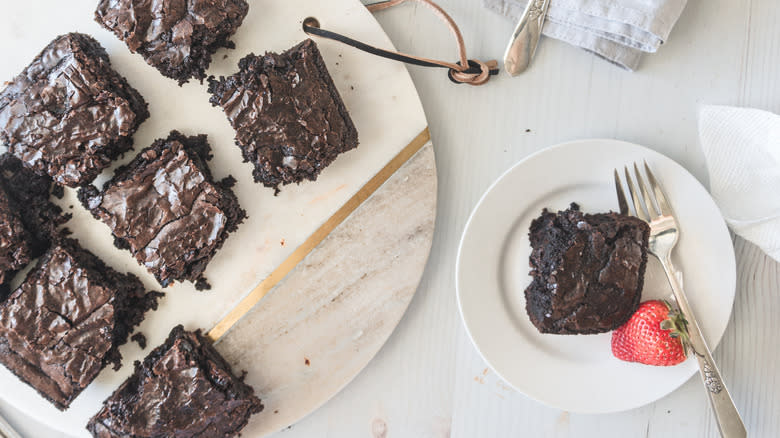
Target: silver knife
525,38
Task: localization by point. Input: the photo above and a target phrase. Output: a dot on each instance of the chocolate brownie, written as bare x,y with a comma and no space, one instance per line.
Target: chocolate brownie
67,320
588,270
289,118
166,208
69,114
174,36
28,220
182,389
14,242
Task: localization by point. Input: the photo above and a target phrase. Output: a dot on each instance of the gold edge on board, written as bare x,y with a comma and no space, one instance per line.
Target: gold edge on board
300,253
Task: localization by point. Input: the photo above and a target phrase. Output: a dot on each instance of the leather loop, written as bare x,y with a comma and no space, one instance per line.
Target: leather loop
478,73
465,71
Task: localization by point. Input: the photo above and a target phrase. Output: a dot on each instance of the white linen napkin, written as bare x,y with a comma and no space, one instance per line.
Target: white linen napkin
617,30
742,149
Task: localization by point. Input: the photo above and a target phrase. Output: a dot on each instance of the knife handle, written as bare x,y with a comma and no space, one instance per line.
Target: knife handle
525,38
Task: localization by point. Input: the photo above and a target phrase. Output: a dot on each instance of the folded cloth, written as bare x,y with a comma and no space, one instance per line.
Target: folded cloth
617,30
742,149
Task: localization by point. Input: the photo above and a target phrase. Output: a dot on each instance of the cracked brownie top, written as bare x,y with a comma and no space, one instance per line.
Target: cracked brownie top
588,270
69,113
290,120
176,37
67,320
166,208
184,389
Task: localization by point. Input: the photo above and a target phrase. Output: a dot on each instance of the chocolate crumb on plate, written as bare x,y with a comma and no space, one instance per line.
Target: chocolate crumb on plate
140,339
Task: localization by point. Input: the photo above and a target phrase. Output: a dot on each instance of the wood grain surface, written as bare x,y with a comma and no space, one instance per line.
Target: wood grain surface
428,381
331,314
327,228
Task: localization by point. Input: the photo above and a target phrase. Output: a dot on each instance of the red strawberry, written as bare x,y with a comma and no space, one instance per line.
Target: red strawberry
655,335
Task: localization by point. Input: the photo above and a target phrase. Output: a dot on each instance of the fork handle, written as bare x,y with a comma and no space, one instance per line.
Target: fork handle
729,421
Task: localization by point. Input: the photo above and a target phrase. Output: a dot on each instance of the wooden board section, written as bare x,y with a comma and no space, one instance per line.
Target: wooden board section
327,319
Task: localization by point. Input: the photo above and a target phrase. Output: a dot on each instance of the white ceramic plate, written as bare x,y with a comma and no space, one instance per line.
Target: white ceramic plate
579,373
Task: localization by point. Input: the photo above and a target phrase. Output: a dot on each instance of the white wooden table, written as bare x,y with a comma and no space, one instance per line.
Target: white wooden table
429,381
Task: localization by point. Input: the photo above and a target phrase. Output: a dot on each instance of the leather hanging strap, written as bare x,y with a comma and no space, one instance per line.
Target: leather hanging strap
465,71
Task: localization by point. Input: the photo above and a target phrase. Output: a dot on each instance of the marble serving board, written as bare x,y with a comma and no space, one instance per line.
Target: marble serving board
384,106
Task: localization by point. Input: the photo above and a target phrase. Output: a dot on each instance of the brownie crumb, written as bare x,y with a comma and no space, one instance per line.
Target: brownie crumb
140,339
228,182
202,284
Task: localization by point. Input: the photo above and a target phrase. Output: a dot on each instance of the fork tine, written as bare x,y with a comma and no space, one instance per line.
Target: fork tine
651,208
663,204
621,195
640,212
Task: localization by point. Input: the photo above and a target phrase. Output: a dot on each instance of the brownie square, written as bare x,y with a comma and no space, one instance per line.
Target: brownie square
69,114
166,208
587,269
28,219
176,37
184,389
67,320
289,118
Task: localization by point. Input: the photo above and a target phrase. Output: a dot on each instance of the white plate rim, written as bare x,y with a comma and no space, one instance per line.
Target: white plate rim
590,409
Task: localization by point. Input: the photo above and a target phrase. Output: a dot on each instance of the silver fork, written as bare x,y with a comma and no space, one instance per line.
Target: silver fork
653,207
